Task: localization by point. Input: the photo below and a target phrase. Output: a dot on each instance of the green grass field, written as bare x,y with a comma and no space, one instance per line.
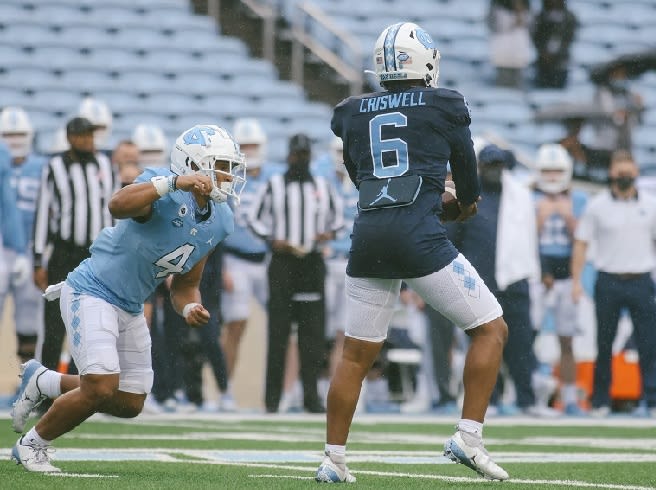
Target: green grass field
282,452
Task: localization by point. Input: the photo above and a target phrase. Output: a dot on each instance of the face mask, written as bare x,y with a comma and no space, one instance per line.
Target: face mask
623,183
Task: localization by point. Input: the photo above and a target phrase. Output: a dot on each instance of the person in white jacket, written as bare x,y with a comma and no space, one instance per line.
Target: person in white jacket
500,242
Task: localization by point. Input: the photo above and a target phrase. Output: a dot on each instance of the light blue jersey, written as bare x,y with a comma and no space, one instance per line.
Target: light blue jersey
128,261
341,245
13,236
555,239
243,242
26,180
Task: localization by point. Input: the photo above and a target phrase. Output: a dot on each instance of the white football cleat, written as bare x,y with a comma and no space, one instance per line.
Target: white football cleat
29,394
330,472
475,457
32,457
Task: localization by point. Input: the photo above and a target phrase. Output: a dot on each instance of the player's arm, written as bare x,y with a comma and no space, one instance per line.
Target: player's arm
186,298
578,261
136,200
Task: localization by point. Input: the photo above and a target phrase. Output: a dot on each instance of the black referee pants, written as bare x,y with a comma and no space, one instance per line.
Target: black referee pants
63,260
296,292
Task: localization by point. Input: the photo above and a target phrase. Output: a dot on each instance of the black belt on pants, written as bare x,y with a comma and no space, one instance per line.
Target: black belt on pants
627,276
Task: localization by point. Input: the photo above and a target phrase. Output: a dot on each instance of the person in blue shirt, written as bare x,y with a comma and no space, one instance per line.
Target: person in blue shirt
336,253
25,171
558,209
168,222
245,253
397,143
11,232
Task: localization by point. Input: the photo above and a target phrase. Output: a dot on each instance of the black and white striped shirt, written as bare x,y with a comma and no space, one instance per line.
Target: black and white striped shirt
296,211
73,203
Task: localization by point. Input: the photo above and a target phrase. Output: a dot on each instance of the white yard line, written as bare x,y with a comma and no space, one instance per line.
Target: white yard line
82,475
252,456
463,479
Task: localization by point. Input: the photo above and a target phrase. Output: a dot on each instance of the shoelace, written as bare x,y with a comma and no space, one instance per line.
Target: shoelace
41,453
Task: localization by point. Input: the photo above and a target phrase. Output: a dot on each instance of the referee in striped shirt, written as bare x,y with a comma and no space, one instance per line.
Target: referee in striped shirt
76,186
296,213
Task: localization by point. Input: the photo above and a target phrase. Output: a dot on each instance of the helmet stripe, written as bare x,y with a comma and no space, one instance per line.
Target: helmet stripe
390,39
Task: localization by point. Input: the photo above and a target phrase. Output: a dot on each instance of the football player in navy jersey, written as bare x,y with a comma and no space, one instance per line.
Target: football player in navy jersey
397,143
168,223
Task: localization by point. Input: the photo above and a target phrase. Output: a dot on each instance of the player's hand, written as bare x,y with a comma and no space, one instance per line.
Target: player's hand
198,316
548,281
468,211
577,291
194,182
40,278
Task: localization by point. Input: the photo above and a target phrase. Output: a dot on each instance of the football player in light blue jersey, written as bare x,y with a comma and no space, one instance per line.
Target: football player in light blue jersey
337,252
245,253
168,222
16,131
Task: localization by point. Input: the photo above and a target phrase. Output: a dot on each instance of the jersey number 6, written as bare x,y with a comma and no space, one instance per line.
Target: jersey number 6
379,145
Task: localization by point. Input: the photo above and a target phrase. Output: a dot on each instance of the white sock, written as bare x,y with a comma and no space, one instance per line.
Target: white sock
471,427
49,382
336,452
33,437
568,394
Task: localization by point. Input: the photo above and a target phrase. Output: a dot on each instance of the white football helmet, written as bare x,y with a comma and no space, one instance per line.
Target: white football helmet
152,145
97,111
16,130
199,148
252,139
404,51
554,167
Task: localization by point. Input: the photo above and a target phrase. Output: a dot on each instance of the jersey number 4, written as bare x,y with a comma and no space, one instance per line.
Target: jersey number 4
173,262
379,145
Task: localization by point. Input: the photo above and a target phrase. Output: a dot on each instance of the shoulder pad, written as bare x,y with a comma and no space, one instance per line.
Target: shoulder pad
455,104
447,93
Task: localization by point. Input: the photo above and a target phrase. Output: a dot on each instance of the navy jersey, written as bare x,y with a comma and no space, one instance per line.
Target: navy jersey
415,132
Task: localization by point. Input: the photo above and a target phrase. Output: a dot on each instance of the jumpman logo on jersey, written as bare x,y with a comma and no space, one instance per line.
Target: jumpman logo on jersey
383,194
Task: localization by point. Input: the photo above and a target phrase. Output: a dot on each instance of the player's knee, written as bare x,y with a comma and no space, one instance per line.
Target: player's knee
133,407
98,388
500,328
496,330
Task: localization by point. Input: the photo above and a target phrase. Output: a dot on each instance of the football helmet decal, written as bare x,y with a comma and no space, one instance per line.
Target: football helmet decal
404,51
200,148
554,167
16,131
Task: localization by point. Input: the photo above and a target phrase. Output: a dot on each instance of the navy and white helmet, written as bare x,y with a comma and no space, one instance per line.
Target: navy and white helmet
404,51
198,149
248,133
151,141
554,167
16,131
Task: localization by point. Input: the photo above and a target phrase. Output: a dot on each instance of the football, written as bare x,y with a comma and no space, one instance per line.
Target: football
450,206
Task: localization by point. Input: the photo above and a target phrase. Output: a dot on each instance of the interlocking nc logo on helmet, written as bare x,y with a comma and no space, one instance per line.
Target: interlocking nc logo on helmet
196,135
